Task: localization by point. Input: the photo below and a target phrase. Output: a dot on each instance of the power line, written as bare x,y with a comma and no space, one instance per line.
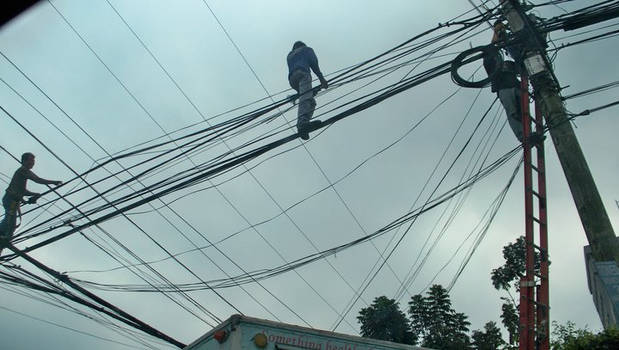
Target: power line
424,205
601,11
591,91
135,256
237,49
129,219
142,106
491,212
607,35
257,181
368,279
587,31
345,176
120,82
341,199
106,308
252,154
486,148
593,110
102,164
407,217
413,273
49,299
261,112
390,91
67,328
390,70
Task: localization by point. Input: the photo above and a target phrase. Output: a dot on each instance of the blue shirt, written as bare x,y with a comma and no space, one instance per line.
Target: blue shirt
302,58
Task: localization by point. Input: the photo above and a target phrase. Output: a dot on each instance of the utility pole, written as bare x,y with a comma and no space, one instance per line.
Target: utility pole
593,215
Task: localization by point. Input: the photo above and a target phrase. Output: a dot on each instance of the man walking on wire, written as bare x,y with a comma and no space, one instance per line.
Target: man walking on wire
14,196
300,60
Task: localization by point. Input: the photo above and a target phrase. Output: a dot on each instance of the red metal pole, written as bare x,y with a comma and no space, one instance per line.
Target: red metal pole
527,297
538,317
543,318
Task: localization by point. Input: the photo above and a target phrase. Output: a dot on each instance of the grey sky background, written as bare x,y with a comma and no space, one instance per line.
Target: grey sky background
189,43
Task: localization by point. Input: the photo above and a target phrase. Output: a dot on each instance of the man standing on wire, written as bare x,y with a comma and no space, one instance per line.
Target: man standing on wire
300,60
506,83
14,195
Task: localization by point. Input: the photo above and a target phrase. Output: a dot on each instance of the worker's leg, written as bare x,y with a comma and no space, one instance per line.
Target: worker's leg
306,100
7,226
510,99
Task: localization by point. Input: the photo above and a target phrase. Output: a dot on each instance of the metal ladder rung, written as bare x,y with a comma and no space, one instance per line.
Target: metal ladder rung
539,304
539,275
536,194
537,220
539,248
539,171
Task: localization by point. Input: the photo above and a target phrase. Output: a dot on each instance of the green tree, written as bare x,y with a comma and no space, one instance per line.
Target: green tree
509,318
385,321
563,334
458,328
568,337
419,314
434,320
507,278
488,339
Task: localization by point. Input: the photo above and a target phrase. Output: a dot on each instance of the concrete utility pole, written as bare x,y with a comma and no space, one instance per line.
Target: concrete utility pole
593,216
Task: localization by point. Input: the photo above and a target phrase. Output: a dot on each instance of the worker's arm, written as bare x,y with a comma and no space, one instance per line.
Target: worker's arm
32,176
323,81
34,196
316,70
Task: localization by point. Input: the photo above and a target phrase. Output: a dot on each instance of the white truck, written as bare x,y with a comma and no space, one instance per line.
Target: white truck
246,333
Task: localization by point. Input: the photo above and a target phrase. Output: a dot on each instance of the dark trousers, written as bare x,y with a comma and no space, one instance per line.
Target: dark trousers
8,223
510,99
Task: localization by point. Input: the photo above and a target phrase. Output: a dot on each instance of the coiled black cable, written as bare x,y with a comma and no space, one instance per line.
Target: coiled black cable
487,52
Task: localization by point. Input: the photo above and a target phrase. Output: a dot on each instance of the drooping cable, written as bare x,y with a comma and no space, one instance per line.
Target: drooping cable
423,206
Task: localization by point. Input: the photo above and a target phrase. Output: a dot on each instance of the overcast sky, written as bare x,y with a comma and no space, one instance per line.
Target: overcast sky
85,56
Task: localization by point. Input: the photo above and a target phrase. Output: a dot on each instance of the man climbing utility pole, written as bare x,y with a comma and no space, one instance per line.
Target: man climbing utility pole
588,202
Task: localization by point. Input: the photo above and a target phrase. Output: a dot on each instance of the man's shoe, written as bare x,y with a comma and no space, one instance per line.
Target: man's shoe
314,124
304,129
4,242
